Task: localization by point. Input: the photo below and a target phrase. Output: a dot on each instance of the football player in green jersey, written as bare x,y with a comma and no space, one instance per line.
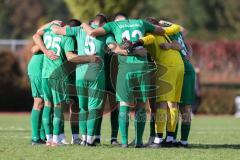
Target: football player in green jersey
35,78
90,78
132,82
54,82
74,109
110,62
188,91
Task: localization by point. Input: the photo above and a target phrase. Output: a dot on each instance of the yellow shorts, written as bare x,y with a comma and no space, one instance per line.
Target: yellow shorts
169,82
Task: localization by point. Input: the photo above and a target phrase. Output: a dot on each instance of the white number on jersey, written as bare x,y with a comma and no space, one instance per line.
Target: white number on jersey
135,33
184,49
53,43
90,47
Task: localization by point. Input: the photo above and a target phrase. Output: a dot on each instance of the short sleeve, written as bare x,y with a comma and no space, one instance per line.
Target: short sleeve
110,39
108,27
69,45
148,26
72,31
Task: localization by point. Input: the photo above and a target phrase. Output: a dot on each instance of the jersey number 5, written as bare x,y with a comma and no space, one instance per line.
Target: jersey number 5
90,47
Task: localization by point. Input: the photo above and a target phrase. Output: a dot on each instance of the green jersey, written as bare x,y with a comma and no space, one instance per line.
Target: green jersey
184,51
60,45
35,64
179,38
88,45
131,29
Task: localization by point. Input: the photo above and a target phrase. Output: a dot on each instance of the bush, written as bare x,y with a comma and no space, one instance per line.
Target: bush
14,95
217,101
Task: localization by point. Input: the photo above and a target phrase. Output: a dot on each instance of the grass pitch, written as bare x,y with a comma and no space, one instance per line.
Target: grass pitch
211,138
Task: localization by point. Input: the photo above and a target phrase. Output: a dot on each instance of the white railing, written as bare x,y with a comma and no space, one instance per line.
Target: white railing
12,44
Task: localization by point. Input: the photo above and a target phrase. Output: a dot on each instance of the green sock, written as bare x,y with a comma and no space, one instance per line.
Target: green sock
62,124
152,125
114,123
176,132
124,123
98,127
74,126
92,122
35,119
83,122
57,120
185,130
46,119
140,120
42,133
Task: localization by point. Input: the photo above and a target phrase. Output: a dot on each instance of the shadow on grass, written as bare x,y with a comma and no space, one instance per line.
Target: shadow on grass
214,146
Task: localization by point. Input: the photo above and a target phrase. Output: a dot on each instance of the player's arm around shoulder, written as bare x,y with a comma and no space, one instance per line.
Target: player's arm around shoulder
151,28
72,57
37,38
101,31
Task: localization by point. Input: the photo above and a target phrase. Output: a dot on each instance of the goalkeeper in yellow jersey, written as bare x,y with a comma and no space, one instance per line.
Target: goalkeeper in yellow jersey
188,91
169,80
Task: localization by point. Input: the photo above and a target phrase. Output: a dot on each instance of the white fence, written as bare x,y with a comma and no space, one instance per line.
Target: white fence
12,44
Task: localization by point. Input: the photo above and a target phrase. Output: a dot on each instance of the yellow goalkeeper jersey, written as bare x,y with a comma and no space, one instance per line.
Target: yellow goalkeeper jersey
170,68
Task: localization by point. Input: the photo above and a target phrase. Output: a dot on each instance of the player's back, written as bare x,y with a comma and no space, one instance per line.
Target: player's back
57,44
131,29
161,56
88,45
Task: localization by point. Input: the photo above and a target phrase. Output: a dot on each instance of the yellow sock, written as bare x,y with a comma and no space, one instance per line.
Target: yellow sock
161,120
172,119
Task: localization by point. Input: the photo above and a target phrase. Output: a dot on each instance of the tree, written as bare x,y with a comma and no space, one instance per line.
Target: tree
20,19
86,10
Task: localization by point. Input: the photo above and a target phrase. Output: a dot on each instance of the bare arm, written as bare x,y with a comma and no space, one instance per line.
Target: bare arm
82,59
176,46
159,30
87,28
117,49
173,45
98,32
120,51
35,49
39,42
46,25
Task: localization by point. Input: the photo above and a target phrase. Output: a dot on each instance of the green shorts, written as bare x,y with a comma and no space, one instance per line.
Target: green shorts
133,84
188,89
36,86
90,94
54,90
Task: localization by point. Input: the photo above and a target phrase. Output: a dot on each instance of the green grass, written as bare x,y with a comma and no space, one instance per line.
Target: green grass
212,138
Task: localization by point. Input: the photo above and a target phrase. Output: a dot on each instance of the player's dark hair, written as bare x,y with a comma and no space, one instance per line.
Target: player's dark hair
120,14
74,22
102,18
152,20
